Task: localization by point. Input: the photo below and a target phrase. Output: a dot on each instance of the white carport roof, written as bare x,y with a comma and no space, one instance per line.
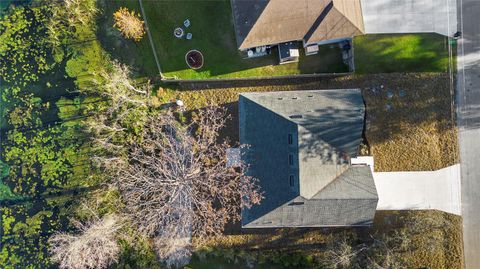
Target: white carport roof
410,16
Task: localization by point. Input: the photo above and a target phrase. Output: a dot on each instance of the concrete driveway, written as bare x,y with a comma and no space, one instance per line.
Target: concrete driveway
420,190
410,16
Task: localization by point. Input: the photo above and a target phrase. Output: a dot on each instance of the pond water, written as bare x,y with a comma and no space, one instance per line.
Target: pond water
4,4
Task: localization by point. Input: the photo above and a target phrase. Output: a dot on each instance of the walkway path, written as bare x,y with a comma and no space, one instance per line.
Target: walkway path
468,111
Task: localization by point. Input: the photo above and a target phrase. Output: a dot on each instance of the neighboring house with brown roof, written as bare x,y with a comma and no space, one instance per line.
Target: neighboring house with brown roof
271,22
261,23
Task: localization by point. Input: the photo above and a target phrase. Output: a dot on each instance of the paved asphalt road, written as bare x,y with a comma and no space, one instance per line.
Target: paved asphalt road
468,109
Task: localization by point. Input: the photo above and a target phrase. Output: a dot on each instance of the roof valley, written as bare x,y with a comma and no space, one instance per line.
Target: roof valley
318,21
322,124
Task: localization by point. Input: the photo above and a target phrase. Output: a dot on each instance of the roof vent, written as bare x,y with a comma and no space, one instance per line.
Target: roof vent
310,96
280,98
294,98
296,116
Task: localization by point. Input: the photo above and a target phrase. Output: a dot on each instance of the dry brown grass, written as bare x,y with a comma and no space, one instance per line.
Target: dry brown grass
415,148
411,125
435,239
416,133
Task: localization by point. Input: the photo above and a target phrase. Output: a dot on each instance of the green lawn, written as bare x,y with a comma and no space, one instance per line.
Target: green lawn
401,53
214,37
213,34
138,55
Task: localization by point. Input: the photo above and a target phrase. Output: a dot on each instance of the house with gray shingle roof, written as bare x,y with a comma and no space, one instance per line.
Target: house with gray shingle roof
300,146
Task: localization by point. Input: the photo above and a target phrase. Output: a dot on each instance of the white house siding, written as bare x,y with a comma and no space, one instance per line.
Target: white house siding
410,16
420,190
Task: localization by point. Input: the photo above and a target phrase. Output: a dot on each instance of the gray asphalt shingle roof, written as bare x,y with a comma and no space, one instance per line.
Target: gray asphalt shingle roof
325,128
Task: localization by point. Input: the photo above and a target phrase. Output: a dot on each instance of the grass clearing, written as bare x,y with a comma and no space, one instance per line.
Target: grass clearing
416,132
138,55
214,37
384,53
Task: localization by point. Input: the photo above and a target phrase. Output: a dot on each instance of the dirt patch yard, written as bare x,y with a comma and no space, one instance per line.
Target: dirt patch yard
410,120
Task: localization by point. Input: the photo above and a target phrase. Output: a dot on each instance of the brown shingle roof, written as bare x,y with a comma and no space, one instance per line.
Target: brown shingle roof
264,22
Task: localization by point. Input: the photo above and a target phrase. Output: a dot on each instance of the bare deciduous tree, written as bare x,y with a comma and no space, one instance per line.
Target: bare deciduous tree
342,254
174,245
117,82
176,183
381,255
94,247
127,103
68,15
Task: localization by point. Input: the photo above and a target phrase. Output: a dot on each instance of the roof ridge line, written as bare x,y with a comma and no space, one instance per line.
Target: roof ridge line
277,113
348,19
331,182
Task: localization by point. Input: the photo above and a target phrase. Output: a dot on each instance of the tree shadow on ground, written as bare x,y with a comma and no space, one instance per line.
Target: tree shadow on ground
424,52
413,113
